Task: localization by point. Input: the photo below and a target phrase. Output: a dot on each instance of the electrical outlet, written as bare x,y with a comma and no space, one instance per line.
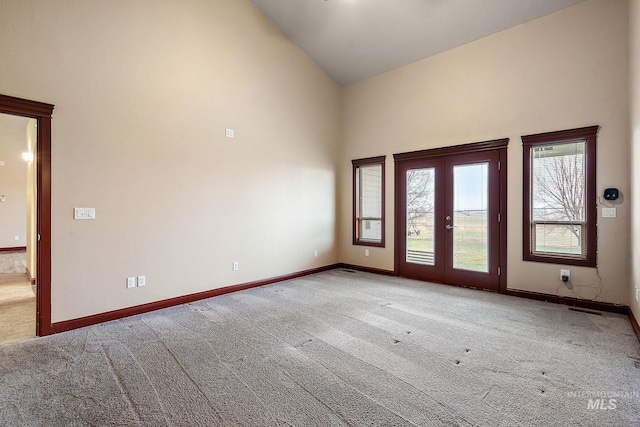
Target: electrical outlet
366,252
228,133
131,282
142,281
236,266
637,294
565,273
17,237
315,253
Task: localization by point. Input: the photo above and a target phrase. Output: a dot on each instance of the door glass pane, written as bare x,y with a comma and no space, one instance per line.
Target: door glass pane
420,218
470,209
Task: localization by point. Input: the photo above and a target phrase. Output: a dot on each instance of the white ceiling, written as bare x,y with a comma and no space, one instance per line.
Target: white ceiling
352,40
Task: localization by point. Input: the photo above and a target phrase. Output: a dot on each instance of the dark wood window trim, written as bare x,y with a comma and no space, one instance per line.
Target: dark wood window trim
42,113
370,161
589,135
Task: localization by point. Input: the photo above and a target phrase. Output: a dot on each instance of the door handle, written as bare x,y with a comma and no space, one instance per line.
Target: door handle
450,227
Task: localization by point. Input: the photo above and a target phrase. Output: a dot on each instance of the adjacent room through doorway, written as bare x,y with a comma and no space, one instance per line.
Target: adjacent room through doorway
17,235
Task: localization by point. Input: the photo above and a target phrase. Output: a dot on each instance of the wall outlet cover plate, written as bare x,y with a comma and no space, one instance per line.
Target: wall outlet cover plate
609,212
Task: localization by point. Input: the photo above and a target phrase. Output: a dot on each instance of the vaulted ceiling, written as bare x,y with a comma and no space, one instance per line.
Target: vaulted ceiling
352,40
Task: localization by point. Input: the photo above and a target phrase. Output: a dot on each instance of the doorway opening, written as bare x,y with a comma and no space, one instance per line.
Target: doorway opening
41,113
451,215
17,216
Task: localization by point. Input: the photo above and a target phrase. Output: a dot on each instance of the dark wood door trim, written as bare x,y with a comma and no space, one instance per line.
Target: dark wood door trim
503,224
401,160
474,147
42,113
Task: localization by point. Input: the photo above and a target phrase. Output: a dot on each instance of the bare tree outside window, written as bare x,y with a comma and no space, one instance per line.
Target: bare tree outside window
420,201
559,197
420,215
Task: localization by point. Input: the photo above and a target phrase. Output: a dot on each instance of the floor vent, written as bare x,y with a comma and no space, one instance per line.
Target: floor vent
585,310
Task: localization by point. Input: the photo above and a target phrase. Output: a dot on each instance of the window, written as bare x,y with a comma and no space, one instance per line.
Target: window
559,223
368,201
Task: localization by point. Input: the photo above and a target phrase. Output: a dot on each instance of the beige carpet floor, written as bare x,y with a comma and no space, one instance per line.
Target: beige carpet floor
333,349
17,307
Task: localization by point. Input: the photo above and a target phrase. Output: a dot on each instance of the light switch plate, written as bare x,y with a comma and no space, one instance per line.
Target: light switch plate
609,212
84,213
3,198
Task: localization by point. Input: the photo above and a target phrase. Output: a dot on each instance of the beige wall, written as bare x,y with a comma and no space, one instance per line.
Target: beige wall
13,181
562,71
143,92
635,154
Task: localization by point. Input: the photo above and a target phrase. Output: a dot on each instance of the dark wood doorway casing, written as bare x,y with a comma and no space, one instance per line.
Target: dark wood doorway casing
42,113
436,156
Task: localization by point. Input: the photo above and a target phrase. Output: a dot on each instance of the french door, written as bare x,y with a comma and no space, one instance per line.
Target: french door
449,219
